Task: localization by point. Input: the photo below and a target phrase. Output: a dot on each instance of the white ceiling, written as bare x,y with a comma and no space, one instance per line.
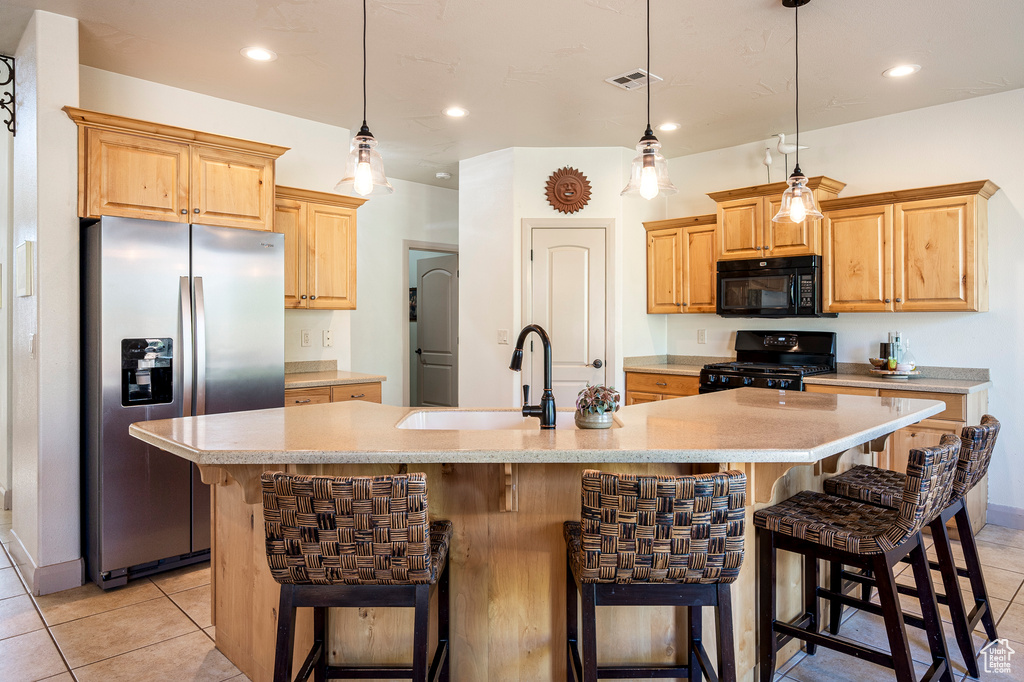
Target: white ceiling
531,72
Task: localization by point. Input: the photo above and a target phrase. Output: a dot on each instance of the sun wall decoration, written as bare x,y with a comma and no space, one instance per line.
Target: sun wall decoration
568,190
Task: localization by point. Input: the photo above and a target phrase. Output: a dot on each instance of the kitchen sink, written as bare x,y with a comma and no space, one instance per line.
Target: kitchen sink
481,420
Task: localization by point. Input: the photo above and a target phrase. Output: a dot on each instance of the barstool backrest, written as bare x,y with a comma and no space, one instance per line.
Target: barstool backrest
927,489
977,443
662,528
356,530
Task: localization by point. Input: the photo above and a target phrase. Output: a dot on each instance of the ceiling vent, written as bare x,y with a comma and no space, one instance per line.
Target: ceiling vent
631,80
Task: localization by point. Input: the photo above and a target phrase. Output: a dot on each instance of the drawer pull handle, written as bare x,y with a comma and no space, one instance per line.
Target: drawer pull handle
361,395
300,402
660,383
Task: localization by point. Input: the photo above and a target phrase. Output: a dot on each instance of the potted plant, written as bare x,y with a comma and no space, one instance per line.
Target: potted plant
595,405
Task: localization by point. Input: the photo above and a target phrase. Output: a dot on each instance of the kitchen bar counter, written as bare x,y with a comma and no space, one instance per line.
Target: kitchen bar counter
329,378
507,555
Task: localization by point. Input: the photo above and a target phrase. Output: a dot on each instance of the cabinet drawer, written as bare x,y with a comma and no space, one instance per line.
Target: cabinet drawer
665,384
842,390
370,392
307,396
956,404
634,398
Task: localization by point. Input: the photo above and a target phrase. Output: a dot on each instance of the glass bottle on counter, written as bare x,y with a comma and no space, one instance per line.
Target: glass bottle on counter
907,361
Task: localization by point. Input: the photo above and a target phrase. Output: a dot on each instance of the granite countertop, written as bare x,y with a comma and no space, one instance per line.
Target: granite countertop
328,378
780,426
944,379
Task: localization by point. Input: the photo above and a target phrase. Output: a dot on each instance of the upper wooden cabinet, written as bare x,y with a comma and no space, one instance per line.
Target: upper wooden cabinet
320,248
746,230
137,169
681,265
911,251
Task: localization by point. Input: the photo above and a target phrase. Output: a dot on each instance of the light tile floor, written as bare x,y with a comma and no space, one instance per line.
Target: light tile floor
152,630
159,629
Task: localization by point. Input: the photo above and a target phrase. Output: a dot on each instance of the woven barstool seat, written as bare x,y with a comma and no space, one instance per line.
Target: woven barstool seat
885,488
355,541
655,541
840,530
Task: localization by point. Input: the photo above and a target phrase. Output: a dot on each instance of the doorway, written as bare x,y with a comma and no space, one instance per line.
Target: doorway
567,291
433,274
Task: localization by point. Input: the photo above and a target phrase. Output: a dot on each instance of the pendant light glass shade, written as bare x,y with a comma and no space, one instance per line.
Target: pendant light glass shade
798,202
364,171
648,174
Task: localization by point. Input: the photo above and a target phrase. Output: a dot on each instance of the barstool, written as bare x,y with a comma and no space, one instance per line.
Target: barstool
885,488
836,529
655,541
355,541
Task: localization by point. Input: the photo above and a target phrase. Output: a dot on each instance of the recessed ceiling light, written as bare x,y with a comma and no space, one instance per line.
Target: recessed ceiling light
456,112
901,71
443,175
668,127
259,54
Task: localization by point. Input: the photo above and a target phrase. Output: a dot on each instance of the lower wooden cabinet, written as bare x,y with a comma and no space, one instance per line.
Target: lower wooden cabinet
648,388
370,392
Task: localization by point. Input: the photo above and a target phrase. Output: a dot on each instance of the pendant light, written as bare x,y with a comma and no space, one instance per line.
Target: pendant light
648,174
364,171
798,200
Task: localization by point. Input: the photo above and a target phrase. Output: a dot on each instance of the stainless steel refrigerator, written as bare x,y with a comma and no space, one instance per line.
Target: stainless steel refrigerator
178,320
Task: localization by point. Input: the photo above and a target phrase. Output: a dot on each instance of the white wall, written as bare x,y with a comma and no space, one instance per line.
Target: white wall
971,140
497,192
380,332
45,435
316,161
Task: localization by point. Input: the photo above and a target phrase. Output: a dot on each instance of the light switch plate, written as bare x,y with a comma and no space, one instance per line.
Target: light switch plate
702,336
503,337
306,338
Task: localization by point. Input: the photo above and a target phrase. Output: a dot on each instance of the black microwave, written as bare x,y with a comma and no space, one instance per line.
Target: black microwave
770,287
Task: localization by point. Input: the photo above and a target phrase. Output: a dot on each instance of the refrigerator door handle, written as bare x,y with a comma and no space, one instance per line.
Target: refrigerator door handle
186,347
200,348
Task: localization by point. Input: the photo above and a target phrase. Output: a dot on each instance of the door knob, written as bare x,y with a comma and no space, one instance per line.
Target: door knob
195,210
597,364
184,211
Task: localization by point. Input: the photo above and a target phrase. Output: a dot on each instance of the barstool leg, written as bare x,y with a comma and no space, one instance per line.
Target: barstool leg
571,622
811,597
695,630
443,622
835,608
892,613
285,635
726,645
977,577
320,638
930,608
766,602
421,633
589,642
951,585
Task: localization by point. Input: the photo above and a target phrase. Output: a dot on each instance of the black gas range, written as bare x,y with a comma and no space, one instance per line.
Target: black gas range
769,359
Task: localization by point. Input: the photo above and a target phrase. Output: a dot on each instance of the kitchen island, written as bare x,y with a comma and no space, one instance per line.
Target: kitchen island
508,567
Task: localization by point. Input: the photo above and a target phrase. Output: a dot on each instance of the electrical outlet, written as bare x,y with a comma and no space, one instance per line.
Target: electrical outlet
307,339
328,341
702,336
503,337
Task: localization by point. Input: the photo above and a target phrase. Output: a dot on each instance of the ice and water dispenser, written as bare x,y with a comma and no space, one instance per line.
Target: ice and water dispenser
146,372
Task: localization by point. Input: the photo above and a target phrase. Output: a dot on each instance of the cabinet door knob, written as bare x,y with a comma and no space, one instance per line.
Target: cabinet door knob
758,248
300,402
660,383
899,300
887,300
184,211
195,210
356,397
303,296
312,298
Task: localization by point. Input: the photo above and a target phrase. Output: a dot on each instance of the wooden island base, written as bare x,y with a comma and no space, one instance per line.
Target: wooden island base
507,573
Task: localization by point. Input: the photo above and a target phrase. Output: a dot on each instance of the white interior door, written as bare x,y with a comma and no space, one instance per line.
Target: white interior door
437,331
568,301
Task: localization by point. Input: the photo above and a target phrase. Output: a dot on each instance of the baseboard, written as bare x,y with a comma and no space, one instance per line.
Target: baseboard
45,579
1008,517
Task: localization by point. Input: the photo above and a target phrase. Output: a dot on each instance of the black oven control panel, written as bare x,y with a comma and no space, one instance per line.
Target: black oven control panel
806,291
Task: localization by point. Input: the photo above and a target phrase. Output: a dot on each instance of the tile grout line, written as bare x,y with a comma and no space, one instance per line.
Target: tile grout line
35,605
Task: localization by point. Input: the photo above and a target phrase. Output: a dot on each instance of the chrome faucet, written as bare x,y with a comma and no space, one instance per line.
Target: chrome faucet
546,409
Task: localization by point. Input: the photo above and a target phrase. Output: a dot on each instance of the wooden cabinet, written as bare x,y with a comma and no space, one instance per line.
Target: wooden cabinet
746,230
642,387
911,251
136,169
320,248
369,392
681,265
960,411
